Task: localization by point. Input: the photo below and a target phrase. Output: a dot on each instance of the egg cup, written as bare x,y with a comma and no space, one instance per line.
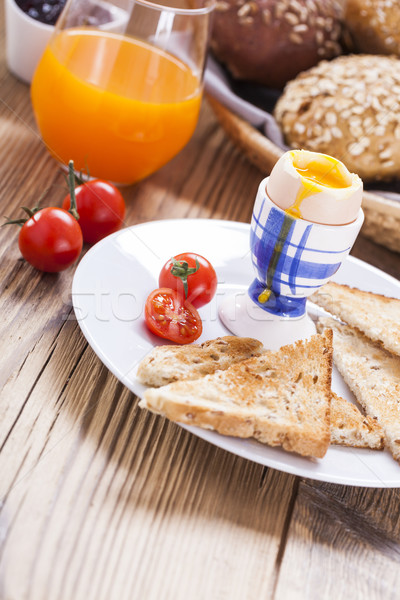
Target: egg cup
292,258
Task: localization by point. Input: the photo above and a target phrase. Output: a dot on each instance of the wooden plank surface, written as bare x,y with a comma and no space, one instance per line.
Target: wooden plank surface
100,500
343,542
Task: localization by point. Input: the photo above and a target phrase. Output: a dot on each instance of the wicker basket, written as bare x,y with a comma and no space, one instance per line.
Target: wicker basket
382,216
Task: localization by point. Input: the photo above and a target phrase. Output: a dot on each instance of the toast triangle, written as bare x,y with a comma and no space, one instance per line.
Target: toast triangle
373,375
280,398
165,364
349,427
377,316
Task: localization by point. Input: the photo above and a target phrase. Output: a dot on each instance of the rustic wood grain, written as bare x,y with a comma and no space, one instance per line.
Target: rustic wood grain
107,501
100,500
343,543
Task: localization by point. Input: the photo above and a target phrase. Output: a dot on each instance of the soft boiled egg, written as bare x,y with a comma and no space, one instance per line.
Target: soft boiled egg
315,187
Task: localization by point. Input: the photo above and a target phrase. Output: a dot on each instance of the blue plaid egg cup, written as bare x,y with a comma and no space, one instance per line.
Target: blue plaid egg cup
292,258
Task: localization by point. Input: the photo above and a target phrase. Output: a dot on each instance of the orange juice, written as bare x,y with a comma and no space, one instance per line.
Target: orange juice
117,105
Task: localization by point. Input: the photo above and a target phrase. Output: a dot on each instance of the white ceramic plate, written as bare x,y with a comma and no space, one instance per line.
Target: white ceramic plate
109,291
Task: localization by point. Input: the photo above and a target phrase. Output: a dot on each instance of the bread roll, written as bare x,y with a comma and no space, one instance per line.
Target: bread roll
349,108
271,41
374,25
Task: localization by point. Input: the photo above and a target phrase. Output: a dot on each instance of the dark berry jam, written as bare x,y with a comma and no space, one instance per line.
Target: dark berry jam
45,11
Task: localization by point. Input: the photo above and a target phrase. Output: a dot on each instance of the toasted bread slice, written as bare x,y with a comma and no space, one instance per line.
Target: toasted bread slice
280,398
166,364
378,317
349,427
373,375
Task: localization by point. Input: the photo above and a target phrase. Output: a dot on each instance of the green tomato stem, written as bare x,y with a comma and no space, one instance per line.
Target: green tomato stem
19,222
182,270
71,184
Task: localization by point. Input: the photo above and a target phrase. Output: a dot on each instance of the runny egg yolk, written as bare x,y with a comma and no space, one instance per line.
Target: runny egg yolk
328,176
325,172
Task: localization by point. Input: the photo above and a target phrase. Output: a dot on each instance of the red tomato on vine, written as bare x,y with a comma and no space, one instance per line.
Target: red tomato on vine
101,209
192,275
50,239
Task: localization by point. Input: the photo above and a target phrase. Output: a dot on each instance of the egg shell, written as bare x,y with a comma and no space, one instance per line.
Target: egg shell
327,205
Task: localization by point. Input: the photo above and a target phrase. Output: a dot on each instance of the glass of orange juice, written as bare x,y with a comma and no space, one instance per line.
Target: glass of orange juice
118,88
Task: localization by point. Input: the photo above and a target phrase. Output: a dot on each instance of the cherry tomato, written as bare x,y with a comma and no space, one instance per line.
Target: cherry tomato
101,209
201,282
169,316
51,239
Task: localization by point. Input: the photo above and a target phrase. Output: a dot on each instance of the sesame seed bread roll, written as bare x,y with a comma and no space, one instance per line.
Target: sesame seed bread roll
374,25
271,41
350,108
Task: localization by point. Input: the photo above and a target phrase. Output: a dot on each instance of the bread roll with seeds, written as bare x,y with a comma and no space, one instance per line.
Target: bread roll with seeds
271,41
349,108
374,25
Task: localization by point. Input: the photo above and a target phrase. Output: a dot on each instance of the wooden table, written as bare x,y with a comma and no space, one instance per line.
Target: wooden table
100,500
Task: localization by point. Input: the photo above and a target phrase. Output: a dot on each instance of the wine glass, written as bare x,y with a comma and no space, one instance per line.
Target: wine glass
119,86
